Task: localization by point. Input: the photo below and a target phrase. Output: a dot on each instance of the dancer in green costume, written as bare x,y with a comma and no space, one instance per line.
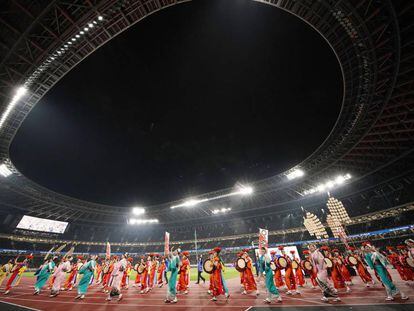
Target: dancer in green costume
87,271
173,267
378,262
264,263
43,274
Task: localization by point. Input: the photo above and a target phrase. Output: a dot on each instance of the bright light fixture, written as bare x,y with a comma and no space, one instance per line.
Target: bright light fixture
221,210
100,18
5,171
20,92
244,190
296,173
329,184
138,210
137,221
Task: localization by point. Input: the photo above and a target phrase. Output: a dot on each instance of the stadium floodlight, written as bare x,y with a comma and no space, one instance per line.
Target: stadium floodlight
138,221
221,210
329,184
190,203
100,18
296,173
5,171
243,190
138,211
18,95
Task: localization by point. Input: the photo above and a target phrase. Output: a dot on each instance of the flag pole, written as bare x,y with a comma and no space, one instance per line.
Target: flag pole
195,242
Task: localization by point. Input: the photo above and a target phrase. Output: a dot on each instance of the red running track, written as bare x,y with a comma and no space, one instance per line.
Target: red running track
197,299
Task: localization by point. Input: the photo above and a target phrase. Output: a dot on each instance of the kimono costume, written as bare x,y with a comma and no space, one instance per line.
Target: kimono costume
289,275
278,275
125,278
60,276
363,271
173,267
378,263
71,280
117,274
43,274
300,277
183,275
152,274
144,276
217,278
264,261
160,273
86,271
319,265
16,275
5,271
336,275
249,283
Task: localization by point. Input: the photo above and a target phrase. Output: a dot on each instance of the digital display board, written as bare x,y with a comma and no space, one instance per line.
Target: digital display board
41,224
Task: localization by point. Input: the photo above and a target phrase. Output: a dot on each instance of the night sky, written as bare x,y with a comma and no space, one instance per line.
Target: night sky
192,99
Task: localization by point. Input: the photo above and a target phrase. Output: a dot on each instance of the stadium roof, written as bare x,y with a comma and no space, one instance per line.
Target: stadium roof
372,138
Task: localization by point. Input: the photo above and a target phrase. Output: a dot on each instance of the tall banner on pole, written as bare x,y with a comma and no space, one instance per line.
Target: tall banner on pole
167,243
263,238
108,250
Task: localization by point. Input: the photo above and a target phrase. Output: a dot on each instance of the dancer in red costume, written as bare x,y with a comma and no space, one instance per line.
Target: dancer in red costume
313,272
249,283
144,276
160,273
71,280
336,273
300,277
361,268
16,272
217,280
289,275
278,273
184,272
343,269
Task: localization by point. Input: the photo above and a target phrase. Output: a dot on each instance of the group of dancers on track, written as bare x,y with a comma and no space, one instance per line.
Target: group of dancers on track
328,270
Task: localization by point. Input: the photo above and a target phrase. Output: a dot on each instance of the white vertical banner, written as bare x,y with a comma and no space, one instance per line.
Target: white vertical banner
108,251
263,238
167,243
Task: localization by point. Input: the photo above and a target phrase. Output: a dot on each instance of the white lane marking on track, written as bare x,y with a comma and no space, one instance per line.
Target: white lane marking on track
21,306
248,308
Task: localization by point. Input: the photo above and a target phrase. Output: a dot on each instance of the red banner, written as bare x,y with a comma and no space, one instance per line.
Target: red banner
167,243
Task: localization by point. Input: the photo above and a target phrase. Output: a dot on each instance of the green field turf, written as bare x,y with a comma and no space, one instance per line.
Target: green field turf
228,274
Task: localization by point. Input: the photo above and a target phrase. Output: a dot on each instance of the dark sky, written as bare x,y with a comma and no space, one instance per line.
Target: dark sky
192,99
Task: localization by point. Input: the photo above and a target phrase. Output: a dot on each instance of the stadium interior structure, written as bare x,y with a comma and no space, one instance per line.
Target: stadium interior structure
372,140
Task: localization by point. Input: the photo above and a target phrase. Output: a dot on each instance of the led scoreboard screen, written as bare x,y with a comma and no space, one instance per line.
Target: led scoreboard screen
41,224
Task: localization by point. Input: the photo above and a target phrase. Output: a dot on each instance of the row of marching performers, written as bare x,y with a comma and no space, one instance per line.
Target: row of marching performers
327,269
113,275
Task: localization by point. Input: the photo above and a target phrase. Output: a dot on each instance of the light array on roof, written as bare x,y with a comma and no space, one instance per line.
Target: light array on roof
329,184
221,210
138,221
138,211
296,173
5,171
338,211
20,92
240,190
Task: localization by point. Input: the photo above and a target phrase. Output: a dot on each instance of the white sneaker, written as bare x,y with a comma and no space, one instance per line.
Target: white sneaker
296,292
325,299
214,299
389,298
257,293
82,297
174,300
403,296
209,292
279,299
288,292
108,299
120,297
244,292
337,299
267,300
186,292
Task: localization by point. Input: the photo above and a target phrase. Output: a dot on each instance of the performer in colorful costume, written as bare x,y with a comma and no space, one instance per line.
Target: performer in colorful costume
378,262
184,272
264,262
73,275
289,275
318,262
43,274
249,282
117,275
361,268
173,267
217,281
312,273
278,273
5,270
300,277
87,271
60,276
160,273
16,273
